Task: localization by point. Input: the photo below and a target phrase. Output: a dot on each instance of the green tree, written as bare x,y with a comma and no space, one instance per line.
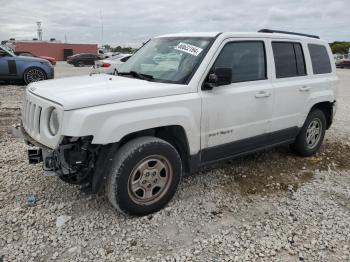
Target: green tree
107,47
340,47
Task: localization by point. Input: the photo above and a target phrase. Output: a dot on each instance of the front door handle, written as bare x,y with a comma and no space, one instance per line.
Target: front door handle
262,94
304,89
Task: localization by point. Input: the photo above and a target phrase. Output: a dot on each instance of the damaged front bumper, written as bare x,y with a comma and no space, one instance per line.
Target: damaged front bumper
37,152
73,160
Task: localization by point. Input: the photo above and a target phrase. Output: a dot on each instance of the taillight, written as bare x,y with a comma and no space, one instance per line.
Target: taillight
105,65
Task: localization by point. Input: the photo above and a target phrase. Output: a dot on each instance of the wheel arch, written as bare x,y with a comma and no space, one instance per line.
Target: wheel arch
173,134
324,100
327,108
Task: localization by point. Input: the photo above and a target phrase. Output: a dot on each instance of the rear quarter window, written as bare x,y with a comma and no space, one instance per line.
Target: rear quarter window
319,59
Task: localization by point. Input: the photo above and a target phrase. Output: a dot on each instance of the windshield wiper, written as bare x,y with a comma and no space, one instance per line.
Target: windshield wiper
138,75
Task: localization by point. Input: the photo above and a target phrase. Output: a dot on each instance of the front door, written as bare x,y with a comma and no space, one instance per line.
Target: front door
4,67
8,68
236,117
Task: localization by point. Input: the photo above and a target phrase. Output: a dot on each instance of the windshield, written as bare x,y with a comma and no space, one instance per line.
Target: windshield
169,60
7,50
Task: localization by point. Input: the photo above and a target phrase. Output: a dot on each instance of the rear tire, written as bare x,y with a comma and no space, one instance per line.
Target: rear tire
144,176
311,135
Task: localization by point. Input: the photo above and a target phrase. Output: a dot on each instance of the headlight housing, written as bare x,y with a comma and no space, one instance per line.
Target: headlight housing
46,63
54,122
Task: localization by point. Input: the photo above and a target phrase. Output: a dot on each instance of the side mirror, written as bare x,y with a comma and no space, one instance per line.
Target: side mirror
221,76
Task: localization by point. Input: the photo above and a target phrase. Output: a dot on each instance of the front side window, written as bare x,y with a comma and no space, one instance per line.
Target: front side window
319,59
168,59
5,51
247,60
289,59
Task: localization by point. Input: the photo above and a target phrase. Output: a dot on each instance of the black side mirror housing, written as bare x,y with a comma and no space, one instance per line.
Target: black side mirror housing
221,76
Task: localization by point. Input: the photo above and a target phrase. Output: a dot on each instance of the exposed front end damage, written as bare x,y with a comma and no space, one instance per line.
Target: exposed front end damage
74,160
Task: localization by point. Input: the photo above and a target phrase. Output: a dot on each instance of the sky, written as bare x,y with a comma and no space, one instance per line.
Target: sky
131,22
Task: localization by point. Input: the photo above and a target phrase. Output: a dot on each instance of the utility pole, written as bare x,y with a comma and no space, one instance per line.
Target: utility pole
101,29
40,31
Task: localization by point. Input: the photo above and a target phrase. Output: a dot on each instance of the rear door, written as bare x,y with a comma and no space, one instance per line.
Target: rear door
291,87
92,59
84,58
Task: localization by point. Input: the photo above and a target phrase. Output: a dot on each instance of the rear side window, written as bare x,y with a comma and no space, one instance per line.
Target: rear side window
289,59
319,59
247,60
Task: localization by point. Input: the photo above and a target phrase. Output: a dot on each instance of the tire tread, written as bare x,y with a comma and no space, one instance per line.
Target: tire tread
127,151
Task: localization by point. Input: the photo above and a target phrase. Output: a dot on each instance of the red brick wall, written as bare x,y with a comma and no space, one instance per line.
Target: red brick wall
54,49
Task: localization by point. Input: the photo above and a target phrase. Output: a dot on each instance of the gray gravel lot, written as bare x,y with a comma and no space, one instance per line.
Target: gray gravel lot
270,206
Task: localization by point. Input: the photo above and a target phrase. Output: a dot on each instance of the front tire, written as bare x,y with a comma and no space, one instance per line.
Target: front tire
311,135
144,176
33,75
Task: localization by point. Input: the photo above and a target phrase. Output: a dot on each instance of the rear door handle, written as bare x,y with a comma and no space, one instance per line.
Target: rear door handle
304,89
262,94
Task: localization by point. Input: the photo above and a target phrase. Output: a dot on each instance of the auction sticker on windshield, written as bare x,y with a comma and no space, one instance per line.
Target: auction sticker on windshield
190,49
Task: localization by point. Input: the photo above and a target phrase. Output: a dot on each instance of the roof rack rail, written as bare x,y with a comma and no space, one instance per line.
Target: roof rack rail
286,32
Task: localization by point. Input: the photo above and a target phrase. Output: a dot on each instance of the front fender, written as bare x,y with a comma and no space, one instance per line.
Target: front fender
110,123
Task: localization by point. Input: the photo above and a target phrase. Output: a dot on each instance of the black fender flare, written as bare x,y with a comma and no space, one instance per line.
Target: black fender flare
103,166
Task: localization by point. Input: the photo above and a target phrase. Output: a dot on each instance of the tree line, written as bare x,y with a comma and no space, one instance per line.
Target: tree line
120,49
340,47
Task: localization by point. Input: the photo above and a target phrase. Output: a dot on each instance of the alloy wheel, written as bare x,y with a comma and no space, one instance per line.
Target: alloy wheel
34,75
313,133
150,180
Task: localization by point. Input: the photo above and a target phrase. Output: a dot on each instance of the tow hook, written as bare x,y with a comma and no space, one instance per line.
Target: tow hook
35,156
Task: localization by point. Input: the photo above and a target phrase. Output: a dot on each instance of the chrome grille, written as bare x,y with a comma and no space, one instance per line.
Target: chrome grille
31,117
35,115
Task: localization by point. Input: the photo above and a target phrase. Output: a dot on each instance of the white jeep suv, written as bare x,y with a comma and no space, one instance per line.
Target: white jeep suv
212,97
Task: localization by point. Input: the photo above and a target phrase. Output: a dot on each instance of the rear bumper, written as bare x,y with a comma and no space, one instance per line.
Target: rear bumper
334,111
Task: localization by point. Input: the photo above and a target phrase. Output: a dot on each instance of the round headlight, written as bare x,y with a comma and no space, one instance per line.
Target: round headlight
54,122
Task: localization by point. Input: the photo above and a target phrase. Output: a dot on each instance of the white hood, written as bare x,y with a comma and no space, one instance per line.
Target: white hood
100,89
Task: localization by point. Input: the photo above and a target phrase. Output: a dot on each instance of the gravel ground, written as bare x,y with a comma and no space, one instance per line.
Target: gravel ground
270,206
